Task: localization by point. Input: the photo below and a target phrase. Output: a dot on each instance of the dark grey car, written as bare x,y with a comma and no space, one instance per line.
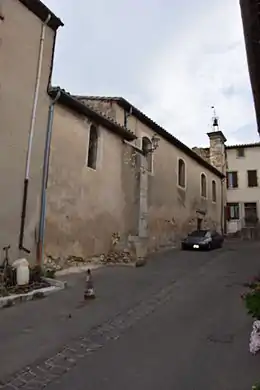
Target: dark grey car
203,239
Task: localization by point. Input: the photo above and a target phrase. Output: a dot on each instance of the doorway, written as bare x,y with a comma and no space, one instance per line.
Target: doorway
250,213
199,223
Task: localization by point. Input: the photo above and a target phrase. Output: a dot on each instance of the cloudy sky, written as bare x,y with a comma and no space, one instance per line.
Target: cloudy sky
173,59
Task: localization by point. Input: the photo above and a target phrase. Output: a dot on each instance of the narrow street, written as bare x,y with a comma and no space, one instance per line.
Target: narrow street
178,323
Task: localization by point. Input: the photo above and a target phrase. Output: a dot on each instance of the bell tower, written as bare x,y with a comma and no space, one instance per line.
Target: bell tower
217,148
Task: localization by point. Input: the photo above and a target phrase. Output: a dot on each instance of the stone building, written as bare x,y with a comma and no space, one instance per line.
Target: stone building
21,29
114,174
91,190
149,190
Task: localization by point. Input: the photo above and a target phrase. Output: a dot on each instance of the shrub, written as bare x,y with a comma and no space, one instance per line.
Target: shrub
36,274
252,302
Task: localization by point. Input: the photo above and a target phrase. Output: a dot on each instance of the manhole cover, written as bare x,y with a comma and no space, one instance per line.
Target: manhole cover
221,339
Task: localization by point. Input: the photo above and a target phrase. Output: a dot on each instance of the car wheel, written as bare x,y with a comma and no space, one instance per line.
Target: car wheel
183,247
209,247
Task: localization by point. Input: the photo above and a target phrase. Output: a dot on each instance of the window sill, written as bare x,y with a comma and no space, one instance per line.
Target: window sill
181,188
91,169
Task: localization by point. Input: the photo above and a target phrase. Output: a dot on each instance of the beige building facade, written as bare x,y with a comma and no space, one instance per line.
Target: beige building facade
148,199
243,186
21,32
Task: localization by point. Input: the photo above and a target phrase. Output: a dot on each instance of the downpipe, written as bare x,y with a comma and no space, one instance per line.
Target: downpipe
222,207
30,138
45,174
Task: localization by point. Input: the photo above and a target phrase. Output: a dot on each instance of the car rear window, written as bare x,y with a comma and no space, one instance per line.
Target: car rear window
198,233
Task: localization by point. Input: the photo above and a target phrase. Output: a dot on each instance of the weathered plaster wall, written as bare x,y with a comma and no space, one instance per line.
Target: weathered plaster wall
86,206
172,210
19,48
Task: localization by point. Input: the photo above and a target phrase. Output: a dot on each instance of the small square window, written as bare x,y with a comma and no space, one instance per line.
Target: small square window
240,152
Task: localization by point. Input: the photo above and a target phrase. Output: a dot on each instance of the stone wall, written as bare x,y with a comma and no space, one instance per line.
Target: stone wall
103,106
202,152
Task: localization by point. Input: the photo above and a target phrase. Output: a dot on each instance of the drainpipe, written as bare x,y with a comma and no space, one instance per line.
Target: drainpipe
40,243
30,138
222,207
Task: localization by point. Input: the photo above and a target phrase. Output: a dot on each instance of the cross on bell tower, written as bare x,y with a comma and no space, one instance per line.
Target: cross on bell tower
217,144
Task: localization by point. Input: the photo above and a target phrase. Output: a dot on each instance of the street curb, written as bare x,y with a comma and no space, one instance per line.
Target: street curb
11,300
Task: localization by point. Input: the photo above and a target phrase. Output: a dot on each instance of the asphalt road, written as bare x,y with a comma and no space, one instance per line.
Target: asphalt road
182,326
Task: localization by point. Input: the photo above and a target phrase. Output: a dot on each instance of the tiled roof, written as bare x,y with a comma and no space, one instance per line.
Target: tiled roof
251,145
74,104
40,10
156,128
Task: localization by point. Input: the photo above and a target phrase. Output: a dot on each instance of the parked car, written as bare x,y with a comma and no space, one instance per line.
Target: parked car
203,239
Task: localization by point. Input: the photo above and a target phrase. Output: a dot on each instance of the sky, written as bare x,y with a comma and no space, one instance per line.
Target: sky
173,59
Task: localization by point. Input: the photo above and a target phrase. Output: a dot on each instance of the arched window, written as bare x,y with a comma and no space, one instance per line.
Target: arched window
147,150
203,185
181,173
214,191
93,147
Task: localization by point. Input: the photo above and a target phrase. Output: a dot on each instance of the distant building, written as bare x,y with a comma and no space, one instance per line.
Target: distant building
243,186
241,165
250,10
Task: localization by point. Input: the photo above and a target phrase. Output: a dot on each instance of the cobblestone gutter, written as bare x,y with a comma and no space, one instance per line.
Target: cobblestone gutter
45,371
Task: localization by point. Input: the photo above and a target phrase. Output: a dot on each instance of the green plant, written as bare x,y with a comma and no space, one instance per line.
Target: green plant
36,274
252,302
256,386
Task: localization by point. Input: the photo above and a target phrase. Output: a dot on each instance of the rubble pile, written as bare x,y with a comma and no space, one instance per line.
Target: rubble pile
117,257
